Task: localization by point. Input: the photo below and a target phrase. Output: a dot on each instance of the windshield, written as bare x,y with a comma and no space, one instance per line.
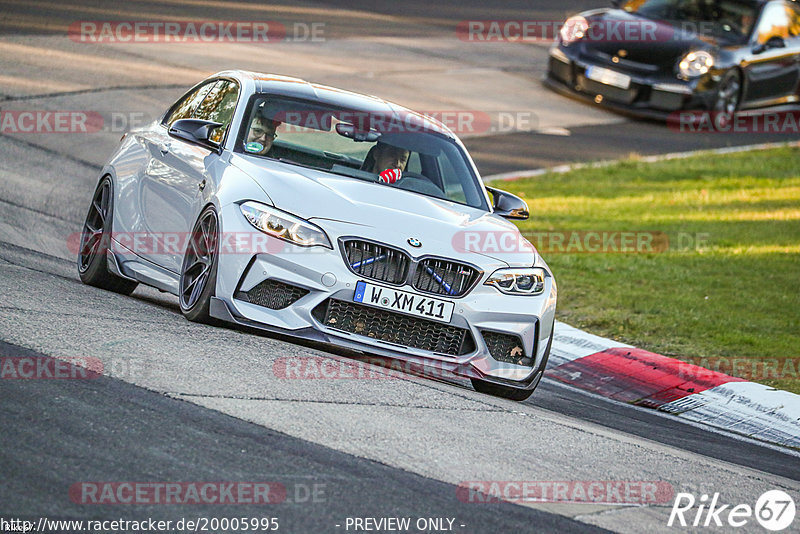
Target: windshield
361,145
726,18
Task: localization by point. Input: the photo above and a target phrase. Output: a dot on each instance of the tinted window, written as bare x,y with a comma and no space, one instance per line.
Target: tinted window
218,106
794,19
452,185
732,19
775,22
414,164
184,108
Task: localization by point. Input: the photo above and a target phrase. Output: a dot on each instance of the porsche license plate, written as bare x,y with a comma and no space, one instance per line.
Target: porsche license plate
608,77
403,302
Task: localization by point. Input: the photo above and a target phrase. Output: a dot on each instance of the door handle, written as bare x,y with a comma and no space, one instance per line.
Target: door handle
164,148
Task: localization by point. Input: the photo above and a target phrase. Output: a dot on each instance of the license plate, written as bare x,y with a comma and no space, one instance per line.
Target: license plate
404,302
608,77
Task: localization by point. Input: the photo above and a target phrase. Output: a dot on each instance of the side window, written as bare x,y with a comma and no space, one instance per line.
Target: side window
774,23
453,189
184,108
218,106
794,19
414,165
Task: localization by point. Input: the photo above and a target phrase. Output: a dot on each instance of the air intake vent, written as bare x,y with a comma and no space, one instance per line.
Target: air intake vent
506,348
394,327
273,294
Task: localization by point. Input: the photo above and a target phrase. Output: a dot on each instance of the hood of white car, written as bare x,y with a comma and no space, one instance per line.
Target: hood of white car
348,206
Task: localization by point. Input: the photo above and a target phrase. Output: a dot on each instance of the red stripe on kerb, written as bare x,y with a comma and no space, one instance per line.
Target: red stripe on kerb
637,376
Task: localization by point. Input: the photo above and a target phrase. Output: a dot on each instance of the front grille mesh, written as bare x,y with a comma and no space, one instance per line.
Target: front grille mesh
376,262
444,277
273,294
506,348
395,327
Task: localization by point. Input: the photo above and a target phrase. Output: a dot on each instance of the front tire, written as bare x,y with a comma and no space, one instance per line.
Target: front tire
728,97
512,393
95,241
199,270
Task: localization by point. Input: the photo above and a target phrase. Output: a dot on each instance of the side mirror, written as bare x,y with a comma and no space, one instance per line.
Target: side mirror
195,131
772,42
508,205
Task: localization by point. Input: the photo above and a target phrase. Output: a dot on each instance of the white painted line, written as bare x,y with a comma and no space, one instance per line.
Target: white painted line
560,169
554,131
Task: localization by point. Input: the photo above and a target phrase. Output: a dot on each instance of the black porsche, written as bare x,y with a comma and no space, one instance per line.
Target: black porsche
653,57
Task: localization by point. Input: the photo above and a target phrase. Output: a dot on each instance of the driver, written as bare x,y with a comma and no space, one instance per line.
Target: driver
388,161
261,135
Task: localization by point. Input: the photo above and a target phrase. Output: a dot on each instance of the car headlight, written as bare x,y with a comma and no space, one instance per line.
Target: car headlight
696,63
284,225
573,29
526,281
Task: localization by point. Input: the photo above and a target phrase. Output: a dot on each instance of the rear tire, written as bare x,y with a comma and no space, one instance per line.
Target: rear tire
95,242
512,393
199,270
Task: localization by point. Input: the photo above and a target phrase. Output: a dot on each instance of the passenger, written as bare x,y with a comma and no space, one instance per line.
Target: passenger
261,135
387,161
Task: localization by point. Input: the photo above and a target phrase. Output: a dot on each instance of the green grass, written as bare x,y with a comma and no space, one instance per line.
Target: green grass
732,303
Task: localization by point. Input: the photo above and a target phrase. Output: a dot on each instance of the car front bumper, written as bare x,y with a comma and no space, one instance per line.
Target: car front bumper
653,95
321,276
